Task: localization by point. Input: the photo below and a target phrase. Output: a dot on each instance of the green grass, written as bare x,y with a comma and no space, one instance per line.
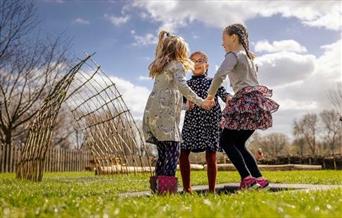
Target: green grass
85,195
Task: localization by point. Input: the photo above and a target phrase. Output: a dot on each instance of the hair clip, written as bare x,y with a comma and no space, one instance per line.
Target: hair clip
166,35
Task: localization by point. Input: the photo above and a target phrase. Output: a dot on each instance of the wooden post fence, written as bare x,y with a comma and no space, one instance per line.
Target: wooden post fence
57,160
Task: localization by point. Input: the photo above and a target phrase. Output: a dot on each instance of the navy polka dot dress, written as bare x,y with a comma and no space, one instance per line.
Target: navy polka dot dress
201,129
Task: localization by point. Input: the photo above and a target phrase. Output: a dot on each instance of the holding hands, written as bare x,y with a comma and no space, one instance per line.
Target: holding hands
190,105
207,104
229,98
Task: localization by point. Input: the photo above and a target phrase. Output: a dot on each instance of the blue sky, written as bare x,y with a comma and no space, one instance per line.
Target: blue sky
291,38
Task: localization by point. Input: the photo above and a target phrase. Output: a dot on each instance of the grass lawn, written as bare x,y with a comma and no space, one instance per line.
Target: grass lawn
86,195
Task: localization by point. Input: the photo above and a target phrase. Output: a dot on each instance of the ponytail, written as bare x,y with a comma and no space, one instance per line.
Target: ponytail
162,36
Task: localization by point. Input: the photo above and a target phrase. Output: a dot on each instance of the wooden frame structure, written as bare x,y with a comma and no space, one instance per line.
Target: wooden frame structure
102,123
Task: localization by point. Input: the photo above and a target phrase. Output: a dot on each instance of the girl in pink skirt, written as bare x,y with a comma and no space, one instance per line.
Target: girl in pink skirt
248,110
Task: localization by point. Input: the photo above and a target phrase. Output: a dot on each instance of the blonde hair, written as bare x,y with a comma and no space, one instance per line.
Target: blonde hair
169,48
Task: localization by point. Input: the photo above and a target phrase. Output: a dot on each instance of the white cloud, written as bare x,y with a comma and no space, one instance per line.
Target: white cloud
284,67
195,36
330,20
55,1
327,72
117,21
277,46
145,58
144,78
147,39
290,104
80,20
175,14
308,90
135,96
143,15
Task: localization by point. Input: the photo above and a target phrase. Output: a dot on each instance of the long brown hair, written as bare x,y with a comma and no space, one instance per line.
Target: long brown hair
241,32
170,47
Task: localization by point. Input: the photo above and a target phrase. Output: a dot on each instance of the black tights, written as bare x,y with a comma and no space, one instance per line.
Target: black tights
233,143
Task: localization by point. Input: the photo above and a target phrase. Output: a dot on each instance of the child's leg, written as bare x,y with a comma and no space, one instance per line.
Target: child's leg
165,181
212,169
247,156
160,164
184,165
171,157
227,142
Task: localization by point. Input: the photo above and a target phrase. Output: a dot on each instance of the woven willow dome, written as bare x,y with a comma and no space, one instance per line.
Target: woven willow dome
100,119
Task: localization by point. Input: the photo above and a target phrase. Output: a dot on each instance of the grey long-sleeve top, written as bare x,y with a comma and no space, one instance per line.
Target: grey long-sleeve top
163,109
240,70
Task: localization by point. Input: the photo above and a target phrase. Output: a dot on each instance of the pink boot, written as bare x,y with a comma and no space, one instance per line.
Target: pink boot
164,184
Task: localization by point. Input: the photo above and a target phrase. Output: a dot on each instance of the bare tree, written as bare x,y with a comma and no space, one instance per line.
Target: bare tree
306,128
335,97
273,144
278,143
299,144
332,129
255,142
16,21
27,71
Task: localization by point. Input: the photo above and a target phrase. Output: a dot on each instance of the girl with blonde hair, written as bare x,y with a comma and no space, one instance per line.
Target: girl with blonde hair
163,109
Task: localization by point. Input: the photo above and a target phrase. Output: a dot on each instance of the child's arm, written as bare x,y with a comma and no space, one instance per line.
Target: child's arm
187,105
223,94
179,76
227,65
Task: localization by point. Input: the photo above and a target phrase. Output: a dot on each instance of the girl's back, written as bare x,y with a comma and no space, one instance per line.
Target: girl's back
165,80
163,108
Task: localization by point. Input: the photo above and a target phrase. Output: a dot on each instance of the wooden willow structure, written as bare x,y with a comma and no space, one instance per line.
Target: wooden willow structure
101,121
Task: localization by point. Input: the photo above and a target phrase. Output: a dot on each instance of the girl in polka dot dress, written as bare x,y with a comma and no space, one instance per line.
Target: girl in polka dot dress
201,127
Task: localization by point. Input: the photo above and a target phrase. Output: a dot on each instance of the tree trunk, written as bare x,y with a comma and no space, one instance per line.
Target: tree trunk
7,152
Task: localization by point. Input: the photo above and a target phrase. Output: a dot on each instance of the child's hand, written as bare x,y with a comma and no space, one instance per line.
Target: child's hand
228,98
208,104
190,105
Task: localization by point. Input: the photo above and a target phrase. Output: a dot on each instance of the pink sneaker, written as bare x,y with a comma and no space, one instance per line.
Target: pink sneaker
249,183
262,182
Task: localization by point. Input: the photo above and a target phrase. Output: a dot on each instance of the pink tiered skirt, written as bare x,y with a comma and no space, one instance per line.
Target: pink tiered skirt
251,108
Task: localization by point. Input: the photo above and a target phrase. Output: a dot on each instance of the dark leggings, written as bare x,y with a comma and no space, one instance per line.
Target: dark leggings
168,154
233,143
